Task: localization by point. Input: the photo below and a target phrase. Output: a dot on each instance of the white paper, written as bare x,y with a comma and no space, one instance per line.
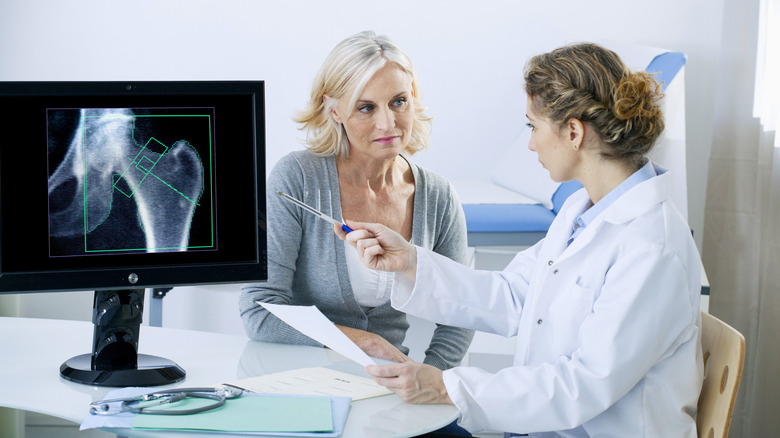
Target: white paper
312,323
313,381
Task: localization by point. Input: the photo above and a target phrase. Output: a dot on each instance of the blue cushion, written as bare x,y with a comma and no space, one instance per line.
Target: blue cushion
564,191
666,66
497,218
493,218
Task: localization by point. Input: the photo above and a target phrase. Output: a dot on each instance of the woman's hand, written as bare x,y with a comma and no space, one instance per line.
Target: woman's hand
374,345
412,381
381,248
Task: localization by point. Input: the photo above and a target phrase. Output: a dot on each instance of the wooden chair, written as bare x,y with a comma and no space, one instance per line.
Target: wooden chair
724,355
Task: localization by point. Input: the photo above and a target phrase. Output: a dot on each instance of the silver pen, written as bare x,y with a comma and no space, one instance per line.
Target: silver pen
315,212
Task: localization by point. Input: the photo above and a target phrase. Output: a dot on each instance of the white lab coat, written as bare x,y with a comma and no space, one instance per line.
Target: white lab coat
608,328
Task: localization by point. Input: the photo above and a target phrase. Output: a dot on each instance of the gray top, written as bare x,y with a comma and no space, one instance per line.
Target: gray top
307,265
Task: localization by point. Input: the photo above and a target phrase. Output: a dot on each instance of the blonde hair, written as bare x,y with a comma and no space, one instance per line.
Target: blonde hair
351,64
592,84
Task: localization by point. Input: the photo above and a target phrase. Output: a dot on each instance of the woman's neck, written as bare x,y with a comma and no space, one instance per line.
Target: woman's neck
373,175
603,175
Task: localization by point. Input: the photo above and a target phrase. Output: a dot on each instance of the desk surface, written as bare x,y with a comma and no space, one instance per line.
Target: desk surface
34,349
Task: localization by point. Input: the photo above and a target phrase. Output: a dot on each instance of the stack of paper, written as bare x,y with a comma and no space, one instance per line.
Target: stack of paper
313,381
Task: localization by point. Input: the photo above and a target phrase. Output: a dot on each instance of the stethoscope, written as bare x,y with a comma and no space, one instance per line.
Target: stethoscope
141,404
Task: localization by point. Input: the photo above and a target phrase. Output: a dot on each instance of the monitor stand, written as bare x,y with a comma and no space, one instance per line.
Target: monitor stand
116,315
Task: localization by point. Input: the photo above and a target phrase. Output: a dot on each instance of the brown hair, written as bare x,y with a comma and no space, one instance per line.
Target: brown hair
590,83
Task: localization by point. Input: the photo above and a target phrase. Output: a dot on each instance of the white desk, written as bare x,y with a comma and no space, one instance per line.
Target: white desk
33,350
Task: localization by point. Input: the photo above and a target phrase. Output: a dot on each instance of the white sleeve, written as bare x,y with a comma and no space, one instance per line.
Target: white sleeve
449,293
642,318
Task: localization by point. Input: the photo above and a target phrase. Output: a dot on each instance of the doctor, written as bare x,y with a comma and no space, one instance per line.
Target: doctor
605,308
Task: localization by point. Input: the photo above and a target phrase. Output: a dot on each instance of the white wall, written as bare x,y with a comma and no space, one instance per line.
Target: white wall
469,55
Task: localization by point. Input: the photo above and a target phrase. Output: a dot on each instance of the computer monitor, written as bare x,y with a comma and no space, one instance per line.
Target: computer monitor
118,187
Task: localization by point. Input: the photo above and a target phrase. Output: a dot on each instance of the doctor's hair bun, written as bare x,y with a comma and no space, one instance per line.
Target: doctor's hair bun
592,84
637,104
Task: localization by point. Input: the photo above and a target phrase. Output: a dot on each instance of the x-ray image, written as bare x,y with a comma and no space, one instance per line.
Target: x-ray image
130,180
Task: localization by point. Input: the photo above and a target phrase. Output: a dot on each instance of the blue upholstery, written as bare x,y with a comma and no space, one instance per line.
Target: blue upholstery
562,194
497,218
666,66
493,218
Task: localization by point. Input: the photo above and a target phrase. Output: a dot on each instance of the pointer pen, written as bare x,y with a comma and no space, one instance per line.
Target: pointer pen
314,211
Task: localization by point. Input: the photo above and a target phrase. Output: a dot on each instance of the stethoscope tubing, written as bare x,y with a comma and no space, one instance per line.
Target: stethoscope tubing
132,404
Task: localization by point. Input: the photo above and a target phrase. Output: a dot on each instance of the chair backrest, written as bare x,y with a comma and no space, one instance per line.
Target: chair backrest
724,355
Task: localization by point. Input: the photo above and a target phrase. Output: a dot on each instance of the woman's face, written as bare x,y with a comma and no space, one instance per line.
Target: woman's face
380,124
554,150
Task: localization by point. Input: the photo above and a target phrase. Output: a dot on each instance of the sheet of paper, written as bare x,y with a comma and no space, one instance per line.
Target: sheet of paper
313,381
312,323
247,414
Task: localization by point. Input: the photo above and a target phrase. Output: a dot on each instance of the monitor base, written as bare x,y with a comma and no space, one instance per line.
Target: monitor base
151,371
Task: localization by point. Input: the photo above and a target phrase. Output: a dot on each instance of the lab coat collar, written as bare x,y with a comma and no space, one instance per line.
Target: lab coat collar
640,198
635,202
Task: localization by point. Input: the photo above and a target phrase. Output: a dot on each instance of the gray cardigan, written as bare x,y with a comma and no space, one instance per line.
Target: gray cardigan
307,265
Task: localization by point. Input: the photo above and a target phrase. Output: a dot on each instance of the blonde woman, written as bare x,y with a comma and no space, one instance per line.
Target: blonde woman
364,121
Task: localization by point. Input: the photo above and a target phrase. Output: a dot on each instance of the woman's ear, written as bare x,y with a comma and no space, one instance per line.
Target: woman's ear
330,107
576,132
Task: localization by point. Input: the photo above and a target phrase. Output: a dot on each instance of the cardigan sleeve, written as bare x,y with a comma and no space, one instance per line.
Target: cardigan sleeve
445,218
284,244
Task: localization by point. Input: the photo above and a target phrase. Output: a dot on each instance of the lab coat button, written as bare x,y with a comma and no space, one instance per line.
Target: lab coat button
549,263
539,321
555,271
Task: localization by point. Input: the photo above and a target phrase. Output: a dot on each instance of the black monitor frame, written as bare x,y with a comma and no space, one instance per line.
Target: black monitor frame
236,252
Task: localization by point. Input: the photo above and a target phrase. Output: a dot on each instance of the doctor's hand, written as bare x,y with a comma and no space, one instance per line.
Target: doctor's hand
414,382
374,345
381,248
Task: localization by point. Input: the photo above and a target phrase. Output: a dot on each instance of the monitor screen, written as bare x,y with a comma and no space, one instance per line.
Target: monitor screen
113,186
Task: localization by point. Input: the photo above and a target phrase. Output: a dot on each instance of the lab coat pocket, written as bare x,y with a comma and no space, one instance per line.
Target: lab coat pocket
568,311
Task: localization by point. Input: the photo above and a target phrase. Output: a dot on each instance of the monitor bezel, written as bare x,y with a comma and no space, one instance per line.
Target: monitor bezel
150,276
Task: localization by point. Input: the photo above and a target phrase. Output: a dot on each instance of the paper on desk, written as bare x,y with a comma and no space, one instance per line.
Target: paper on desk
312,323
313,381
